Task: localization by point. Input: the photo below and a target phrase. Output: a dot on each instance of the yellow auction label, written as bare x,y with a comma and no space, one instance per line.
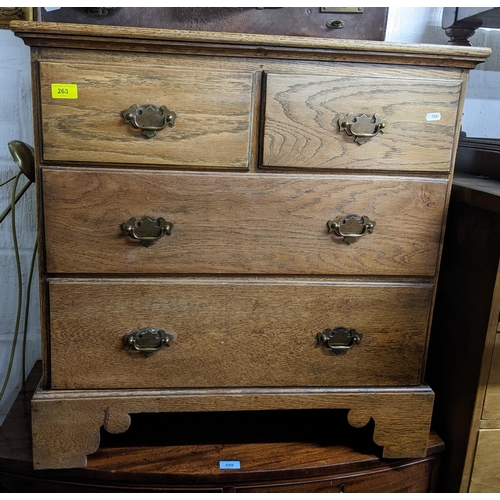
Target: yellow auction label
64,91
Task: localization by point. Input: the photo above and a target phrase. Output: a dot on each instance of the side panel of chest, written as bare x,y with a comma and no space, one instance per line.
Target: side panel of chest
175,228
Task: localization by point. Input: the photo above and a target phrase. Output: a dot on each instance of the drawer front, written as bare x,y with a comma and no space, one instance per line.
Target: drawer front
302,122
485,473
240,223
211,128
230,333
415,477
491,408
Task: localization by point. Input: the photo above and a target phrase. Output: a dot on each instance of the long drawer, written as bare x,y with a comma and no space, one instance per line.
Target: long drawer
212,110
235,333
412,122
240,223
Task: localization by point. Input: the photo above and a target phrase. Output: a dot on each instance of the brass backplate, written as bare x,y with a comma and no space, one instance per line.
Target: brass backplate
342,10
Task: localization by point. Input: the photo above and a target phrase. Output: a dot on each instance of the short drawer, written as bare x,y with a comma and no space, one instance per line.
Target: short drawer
212,111
303,115
240,223
235,333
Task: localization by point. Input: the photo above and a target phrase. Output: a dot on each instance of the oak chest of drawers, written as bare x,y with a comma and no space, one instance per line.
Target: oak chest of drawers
237,222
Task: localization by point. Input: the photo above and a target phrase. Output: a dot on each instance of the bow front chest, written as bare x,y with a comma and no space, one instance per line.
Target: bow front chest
237,222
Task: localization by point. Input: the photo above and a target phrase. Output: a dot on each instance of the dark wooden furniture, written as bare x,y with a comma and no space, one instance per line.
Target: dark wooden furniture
278,452
460,23
299,186
464,353
359,23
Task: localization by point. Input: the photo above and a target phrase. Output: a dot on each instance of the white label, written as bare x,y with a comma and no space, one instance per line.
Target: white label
432,117
229,464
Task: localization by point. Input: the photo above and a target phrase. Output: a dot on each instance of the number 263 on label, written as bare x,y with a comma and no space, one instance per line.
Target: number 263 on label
64,91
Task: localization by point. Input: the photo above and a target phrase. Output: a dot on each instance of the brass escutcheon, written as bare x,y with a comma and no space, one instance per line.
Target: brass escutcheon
149,118
147,341
362,127
147,230
351,227
335,24
340,339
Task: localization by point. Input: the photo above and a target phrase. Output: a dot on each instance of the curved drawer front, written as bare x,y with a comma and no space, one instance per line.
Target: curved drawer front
235,333
240,223
415,131
413,477
212,111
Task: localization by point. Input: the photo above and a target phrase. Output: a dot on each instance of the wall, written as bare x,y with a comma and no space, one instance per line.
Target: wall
405,24
15,96
482,103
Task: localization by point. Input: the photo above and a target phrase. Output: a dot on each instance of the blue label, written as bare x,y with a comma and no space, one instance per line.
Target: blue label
229,464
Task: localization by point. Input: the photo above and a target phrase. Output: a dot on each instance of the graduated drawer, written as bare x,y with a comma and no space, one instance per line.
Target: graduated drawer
235,333
239,223
302,113
211,128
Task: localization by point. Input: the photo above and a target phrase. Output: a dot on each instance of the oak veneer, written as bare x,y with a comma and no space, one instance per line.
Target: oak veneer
242,224
278,451
258,129
230,333
212,128
300,110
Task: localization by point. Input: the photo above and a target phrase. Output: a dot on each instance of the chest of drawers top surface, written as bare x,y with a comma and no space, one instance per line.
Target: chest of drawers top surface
273,205
242,100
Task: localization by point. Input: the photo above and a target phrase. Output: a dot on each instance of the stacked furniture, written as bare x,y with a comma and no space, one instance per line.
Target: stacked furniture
237,222
464,353
276,454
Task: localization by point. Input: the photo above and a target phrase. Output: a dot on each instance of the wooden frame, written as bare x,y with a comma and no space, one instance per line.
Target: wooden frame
8,14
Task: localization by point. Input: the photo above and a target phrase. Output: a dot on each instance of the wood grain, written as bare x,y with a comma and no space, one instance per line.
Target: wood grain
302,112
240,223
485,476
220,62
235,333
66,423
249,271
79,35
212,128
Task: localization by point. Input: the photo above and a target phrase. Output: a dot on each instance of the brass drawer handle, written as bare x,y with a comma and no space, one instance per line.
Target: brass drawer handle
362,127
149,118
147,230
147,341
351,227
340,339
